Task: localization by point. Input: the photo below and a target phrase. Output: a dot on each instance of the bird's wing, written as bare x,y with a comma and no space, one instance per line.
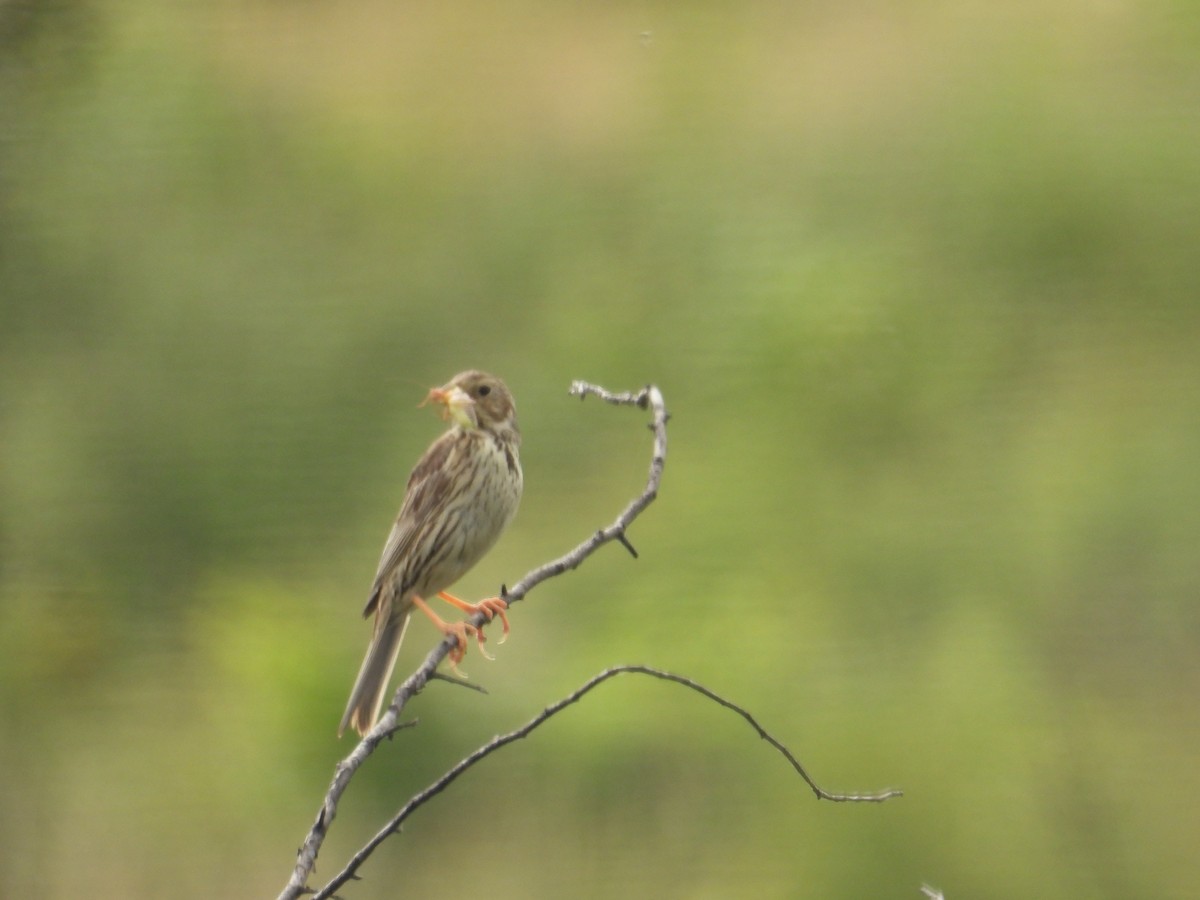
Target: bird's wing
428,486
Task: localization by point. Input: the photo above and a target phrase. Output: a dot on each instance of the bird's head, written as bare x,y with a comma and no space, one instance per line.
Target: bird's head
475,399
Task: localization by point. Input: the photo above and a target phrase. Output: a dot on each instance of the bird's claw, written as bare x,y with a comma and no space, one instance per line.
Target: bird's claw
494,606
459,631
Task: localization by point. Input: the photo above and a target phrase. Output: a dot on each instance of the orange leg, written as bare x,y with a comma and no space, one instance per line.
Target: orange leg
460,630
491,606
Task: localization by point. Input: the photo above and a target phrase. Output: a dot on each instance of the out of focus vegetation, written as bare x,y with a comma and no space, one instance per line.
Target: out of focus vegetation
920,285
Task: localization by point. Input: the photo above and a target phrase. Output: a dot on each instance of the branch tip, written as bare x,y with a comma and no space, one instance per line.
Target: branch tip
460,682
625,543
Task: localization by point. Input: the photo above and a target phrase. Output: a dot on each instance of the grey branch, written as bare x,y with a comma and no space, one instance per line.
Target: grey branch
649,398
420,799
389,723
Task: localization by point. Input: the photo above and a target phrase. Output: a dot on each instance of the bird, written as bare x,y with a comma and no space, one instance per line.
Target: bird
461,495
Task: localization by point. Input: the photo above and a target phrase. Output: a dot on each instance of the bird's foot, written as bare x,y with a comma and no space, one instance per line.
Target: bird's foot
490,607
458,630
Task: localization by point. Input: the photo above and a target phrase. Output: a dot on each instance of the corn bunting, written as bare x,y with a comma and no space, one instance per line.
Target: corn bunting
460,496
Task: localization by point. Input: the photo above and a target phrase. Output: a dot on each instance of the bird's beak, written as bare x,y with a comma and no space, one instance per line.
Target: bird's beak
456,403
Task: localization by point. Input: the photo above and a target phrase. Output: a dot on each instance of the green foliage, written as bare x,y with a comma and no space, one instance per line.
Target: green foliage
920,289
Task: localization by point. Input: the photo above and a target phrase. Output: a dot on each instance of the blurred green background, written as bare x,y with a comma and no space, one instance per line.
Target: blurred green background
919,283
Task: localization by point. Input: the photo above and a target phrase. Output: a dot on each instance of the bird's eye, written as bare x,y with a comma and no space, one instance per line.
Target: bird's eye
484,390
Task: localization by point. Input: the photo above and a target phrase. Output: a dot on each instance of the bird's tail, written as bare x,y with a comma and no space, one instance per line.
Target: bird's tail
367,697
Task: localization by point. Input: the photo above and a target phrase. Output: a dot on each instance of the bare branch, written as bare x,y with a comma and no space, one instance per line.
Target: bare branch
388,724
393,826
648,397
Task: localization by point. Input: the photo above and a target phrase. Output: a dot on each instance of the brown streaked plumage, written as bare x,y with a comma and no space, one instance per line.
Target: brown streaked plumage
460,496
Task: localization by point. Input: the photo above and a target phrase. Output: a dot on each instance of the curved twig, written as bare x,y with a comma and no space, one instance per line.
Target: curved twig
648,397
420,799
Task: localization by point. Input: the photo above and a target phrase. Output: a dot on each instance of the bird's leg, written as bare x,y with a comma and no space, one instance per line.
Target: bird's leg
490,606
460,630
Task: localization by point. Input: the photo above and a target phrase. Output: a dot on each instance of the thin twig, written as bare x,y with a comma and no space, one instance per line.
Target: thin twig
458,682
648,397
350,872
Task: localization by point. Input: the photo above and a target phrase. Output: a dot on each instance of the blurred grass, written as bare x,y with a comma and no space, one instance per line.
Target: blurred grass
919,286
